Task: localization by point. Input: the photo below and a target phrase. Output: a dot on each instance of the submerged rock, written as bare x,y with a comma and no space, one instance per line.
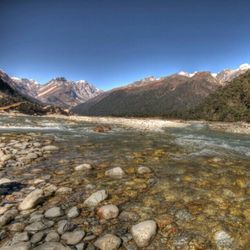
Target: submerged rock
115,172
144,232
108,212
223,240
73,238
82,167
54,212
52,246
108,242
32,199
96,198
73,212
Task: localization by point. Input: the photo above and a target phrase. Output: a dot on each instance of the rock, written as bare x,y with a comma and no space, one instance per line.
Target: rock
50,148
65,226
64,190
36,217
183,215
73,212
144,170
53,212
37,237
52,236
108,242
52,246
96,198
115,172
17,227
143,232
73,238
108,212
20,237
31,200
5,158
81,246
49,190
18,246
82,167
101,129
129,216
5,181
36,226
7,217
223,240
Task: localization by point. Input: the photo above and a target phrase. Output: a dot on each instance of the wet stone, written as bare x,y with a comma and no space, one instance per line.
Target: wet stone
32,199
37,237
65,226
73,238
108,242
143,232
83,167
20,237
18,246
223,240
96,198
108,212
52,236
73,212
115,172
52,246
54,212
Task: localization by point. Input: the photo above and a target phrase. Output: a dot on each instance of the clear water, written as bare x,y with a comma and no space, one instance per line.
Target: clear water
199,181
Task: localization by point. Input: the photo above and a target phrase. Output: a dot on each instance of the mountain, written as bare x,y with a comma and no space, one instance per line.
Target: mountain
167,96
11,98
58,91
228,103
160,97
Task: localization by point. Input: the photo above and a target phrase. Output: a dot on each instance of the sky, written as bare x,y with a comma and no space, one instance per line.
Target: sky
114,42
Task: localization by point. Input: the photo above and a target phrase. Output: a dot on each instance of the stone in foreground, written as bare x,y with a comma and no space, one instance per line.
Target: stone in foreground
95,198
108,242
31,200
73,238
108,212
53,212
144,232
52,246
83,167
115,172
18,246
73,212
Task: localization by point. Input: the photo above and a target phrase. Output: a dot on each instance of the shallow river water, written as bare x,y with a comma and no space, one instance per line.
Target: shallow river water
197,191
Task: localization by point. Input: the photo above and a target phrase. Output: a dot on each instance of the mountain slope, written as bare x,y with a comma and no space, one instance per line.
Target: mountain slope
58,91
11,98
229,103
160,97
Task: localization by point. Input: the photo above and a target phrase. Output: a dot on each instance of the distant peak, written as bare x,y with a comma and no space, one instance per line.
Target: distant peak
183,73
244,66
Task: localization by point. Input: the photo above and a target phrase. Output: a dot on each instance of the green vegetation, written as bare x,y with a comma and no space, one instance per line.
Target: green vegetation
229,103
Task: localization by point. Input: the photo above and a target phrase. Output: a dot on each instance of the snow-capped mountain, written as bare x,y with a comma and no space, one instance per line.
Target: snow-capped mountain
58,91
224,76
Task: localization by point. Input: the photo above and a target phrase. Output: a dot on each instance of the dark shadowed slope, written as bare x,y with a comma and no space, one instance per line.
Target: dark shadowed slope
164,97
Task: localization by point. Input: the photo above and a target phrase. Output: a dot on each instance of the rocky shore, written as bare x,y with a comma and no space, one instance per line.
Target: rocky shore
27,223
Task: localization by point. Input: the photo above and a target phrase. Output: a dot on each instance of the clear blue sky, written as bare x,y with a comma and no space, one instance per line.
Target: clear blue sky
113,42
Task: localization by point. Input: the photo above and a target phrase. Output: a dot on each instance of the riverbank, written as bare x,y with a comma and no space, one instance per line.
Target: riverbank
156,124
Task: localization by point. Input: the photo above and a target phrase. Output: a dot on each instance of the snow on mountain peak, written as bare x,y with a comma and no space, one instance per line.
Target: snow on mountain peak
244,66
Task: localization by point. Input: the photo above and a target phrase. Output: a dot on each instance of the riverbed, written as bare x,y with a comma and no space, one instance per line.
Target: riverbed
191,180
